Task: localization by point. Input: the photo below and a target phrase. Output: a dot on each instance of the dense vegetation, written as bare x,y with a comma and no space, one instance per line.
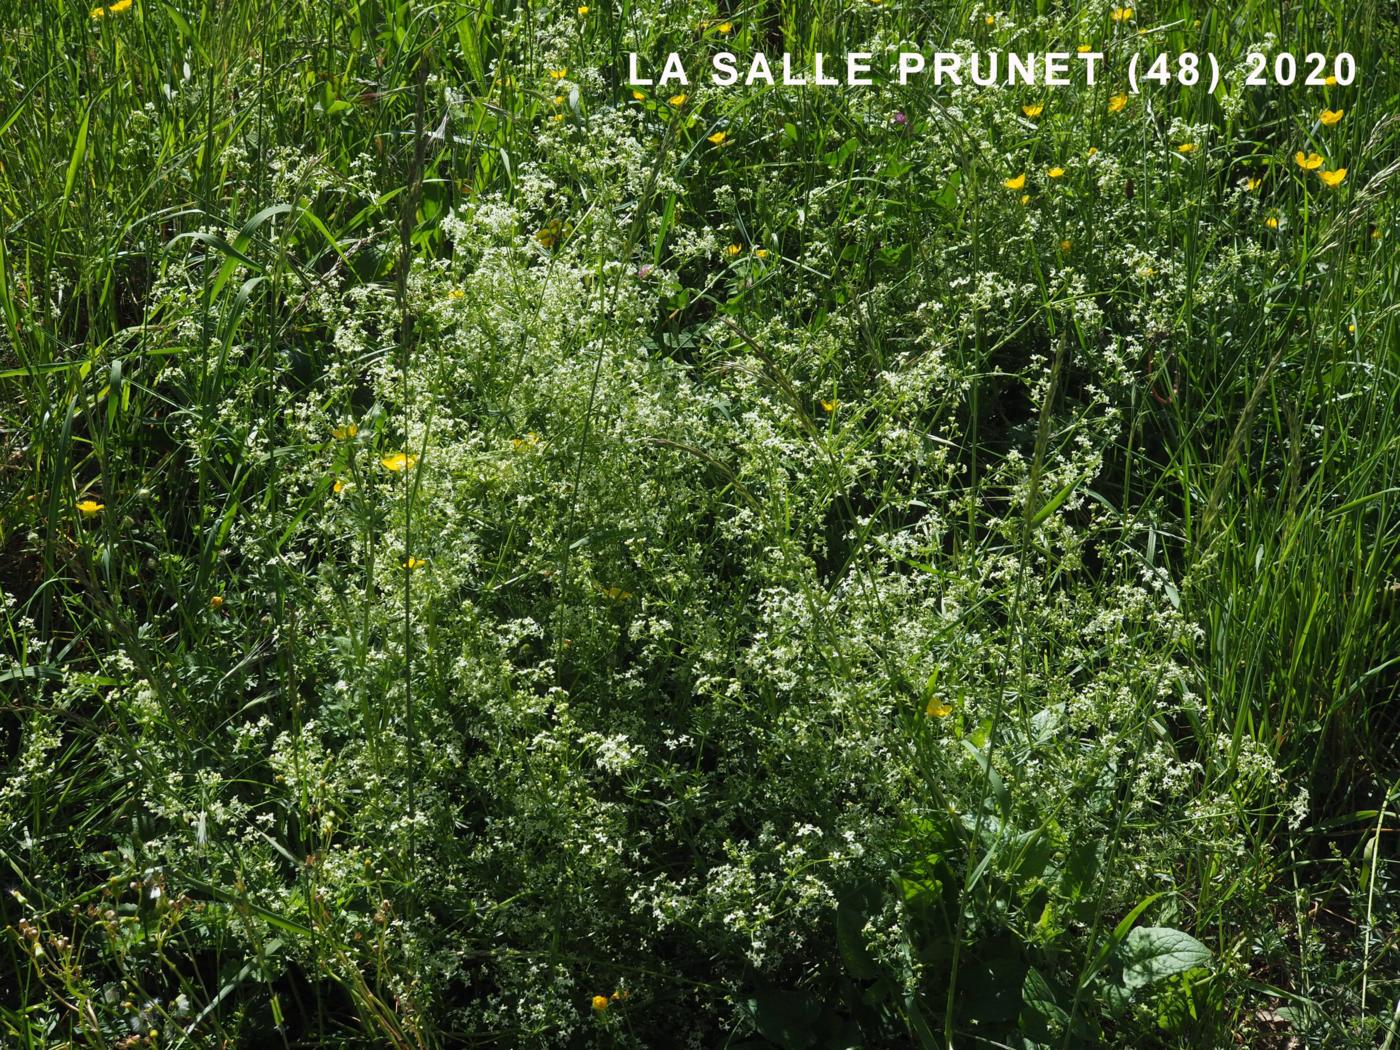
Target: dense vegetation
490,556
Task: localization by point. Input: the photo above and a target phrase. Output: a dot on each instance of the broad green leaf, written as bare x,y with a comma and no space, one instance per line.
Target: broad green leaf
1154,953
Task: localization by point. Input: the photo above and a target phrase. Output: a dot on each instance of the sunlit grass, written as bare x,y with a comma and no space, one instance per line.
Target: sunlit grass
494,556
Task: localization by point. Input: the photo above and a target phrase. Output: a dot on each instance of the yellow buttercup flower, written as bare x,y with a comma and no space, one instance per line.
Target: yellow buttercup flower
1308,162
1084,49
338,487
1055,173
110,9
1034,109
638,95
938,709
830,406
1186,147
1333,178
582,9
600,1003
1015,183
457,293
1331,116
528,441
717,139
1271,222
1065,245
1330,80
762,253
398,461
414,563
553,232
346,432
991,20
1117,102
216,602
1025,199
1121,14
734,249
558,74
677,100
725,28
90,507
1093,151
1253,184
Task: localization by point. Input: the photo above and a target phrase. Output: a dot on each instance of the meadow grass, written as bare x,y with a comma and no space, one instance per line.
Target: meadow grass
493,556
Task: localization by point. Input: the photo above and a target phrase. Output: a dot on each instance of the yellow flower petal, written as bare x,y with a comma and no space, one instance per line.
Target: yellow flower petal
1035,109
1331,116
398,461
1015,183
1121,14
1055,173
89,507
558,74
1186,147
938,709
553,232
1333,178
677,100
717,138
1117,102
1308,162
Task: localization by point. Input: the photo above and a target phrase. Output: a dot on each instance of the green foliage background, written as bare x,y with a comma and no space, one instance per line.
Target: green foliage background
490,557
